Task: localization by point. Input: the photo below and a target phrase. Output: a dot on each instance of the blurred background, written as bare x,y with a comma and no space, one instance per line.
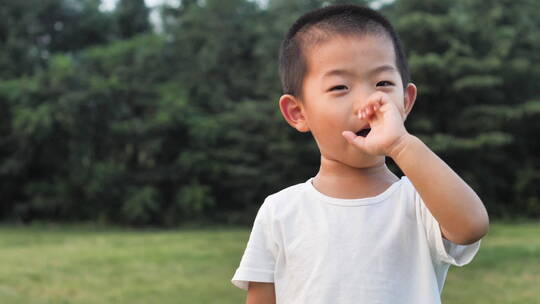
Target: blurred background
118,115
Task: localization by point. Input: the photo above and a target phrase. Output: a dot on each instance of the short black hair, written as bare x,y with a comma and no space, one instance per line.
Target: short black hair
320,23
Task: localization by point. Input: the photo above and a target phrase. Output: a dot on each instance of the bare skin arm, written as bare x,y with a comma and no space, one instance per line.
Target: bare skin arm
261,293
460,212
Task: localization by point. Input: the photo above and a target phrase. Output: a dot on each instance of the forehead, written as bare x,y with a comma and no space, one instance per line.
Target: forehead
355,53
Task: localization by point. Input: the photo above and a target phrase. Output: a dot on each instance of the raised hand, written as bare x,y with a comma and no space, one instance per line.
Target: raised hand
385,119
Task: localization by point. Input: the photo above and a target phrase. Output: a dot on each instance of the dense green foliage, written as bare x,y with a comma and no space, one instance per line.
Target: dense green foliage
103,119
477,64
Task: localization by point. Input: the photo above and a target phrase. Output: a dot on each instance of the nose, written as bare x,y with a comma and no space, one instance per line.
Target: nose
370,97
361,99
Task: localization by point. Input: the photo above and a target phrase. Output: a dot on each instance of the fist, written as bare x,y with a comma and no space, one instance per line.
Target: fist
385,118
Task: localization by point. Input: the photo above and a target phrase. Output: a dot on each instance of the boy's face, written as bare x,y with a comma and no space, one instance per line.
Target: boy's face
342,72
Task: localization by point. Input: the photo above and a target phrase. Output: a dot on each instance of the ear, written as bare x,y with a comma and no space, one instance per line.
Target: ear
293,112
409,98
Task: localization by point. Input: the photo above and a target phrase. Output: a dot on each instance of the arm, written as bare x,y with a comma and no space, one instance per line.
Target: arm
261,293
460,212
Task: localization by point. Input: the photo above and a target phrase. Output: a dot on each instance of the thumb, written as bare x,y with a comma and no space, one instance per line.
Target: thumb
353,139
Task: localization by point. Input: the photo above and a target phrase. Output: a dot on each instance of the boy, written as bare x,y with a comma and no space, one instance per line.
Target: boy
355,233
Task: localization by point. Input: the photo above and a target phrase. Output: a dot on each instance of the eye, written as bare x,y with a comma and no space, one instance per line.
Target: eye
338,88
384,83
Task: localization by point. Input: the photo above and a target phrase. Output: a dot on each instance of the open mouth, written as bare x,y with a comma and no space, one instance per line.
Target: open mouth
363,132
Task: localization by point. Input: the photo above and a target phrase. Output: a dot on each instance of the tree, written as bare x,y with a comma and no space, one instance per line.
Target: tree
475,63
132,18
164,128
31,31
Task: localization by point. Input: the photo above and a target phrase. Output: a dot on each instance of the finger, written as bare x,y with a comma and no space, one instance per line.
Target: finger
376,106
369,110
363,113
353,139
349,135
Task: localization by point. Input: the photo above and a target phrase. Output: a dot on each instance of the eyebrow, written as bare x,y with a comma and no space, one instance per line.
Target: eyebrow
377,70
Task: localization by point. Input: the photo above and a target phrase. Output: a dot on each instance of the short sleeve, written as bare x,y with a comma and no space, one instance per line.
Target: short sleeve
443,250
258,261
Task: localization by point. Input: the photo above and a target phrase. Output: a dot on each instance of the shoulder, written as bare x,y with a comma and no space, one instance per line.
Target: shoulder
408,197
288,194
407,189
286,201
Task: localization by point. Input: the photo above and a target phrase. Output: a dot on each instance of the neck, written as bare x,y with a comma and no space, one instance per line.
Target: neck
339,180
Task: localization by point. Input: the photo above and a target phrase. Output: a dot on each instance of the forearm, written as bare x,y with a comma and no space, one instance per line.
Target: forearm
459,211
261,293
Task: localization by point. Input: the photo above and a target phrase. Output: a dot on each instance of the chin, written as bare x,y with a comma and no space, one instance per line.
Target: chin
367,162
354,158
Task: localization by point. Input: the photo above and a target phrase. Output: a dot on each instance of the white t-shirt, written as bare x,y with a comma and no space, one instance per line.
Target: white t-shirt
319,249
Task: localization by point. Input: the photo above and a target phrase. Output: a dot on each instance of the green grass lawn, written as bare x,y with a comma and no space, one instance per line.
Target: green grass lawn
77,264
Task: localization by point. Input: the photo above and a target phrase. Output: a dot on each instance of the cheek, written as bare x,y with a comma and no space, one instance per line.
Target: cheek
329,126
399,99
